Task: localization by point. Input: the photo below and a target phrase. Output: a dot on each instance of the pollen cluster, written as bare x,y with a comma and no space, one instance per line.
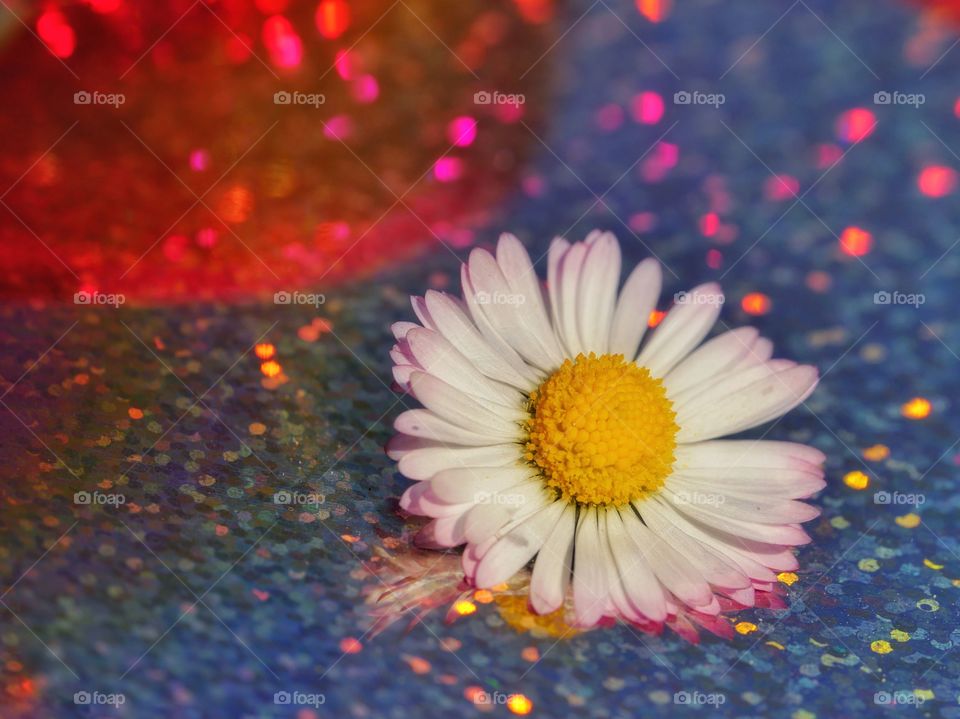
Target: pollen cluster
601,431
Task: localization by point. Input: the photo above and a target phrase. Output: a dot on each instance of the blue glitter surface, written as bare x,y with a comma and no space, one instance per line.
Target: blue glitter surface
200,596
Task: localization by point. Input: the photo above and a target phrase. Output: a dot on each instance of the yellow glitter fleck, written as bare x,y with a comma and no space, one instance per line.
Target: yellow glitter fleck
868,564
876,453
519,704
775,645
916,408
515,611
585,421
839,523
464,607
925,694
909,521
899,635
881,646
746,627
931,565
928,605
856,480
787,578
803,714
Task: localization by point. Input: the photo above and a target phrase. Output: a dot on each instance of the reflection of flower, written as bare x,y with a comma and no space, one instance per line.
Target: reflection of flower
545,433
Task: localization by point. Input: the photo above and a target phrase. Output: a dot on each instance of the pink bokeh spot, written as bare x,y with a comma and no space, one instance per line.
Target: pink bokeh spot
448,169
647,108
462,131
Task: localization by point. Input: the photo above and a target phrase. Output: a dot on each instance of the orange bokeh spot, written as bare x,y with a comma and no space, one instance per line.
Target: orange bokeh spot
519,704
271,368
333,18
265,350
654,10
349,645
916,408
656,317
937,181
135,413
755,303
855,241
856,124
535,11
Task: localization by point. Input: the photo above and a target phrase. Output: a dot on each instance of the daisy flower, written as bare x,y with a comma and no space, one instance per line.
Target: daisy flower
553,430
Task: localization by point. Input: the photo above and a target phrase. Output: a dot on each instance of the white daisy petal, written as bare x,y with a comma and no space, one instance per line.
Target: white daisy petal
503,509
589,572
500,346
761,453
558,248
455,325
712,565
682,329
424,423
512,551
637,300
425,462
442,533
755,404
641,586
434,354
514,263
712,358
462,409
569,268
597,292
691,401
507,313
757,508
478,484
419,499
730,546
672,569
551,572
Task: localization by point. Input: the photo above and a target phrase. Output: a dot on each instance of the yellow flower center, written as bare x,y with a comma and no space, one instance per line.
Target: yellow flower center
601,431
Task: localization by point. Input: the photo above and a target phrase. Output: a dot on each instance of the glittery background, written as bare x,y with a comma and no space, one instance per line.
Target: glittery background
201,595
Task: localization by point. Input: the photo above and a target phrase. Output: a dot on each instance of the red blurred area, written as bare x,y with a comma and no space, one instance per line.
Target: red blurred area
176,151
